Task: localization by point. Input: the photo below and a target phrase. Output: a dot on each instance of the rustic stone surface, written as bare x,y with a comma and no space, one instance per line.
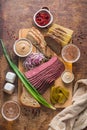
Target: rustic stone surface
17,14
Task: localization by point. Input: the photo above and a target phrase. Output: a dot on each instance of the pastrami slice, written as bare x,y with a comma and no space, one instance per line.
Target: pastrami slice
44,75
41,67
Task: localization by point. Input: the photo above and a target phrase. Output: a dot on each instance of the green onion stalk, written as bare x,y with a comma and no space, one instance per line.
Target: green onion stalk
30,88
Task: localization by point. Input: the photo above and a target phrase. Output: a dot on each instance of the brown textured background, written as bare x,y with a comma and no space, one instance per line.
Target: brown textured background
18,14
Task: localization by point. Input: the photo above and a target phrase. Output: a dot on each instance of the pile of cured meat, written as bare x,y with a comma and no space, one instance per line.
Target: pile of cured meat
44,75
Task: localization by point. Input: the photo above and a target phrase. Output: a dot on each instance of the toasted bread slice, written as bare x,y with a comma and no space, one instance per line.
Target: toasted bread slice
27,100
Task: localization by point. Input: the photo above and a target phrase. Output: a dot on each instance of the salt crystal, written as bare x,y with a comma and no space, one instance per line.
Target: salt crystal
9,88
10,77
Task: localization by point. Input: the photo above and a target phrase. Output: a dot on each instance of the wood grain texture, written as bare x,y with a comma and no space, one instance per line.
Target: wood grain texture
18,14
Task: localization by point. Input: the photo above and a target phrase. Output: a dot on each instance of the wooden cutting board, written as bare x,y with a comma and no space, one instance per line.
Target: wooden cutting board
58,82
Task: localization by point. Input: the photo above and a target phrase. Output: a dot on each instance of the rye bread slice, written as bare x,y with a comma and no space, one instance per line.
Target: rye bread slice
27,100
53,44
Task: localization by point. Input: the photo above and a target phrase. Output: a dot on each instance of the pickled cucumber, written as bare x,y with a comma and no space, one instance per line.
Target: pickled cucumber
53,95
58,95
62,98
64,91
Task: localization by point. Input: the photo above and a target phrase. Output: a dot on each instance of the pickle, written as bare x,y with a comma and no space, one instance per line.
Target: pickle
65,92
58,95
52,100
52,96
62,99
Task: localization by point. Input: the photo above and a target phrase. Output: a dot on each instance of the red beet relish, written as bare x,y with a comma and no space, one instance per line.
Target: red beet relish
43,18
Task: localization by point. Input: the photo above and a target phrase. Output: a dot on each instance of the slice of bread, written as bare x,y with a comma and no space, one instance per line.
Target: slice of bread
27,100
53,44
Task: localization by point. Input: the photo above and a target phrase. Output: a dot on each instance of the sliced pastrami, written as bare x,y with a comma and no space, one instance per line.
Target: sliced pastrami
38,69
42,78
56,64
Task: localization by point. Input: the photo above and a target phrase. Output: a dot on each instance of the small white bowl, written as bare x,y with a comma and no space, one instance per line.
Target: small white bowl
22,47
50,15
67,77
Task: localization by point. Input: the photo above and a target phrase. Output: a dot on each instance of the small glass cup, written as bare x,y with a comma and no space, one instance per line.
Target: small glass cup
10,110
67,77
70,53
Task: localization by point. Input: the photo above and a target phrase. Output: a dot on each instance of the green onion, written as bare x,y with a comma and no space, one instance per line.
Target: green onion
30,88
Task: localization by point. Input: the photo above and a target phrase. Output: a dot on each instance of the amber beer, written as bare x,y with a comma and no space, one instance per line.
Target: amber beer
10,110
70,53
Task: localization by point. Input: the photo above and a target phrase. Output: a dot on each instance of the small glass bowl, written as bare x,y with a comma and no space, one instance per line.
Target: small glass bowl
67,77
39,16
70,53
10,110
22,47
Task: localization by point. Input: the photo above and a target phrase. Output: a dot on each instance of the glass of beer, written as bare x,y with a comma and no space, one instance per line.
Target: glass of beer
10,110
70,53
